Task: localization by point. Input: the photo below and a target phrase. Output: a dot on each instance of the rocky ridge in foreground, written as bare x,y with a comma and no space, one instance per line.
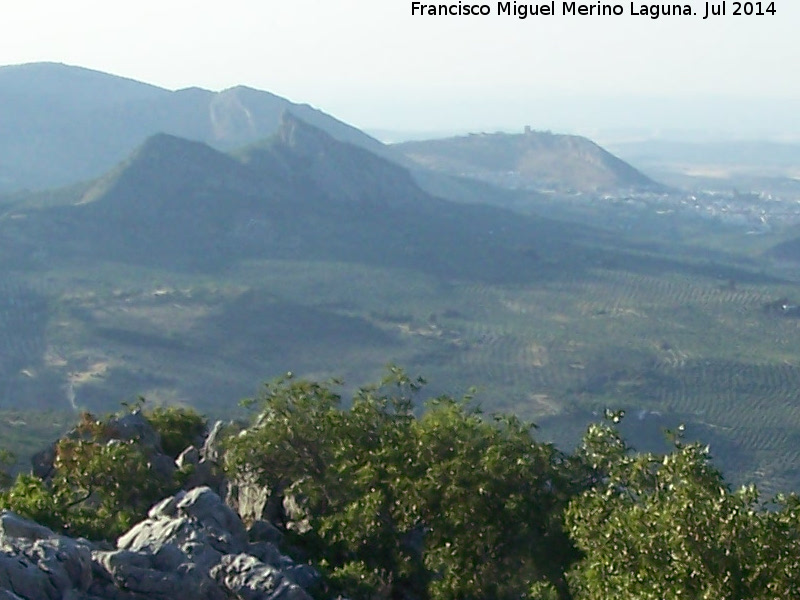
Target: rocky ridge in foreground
192,545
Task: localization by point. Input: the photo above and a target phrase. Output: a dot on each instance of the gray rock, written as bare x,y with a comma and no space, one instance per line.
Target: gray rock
108,562
204,505
152,534
25,579
212,448
205,474
78,595
68,562
133,426
303,575
251,500
269,554
42,462
250,579
37,564
13,526
192,546
196,524
189,457
199,514
168,558
166,508
264,531
201,555
138,574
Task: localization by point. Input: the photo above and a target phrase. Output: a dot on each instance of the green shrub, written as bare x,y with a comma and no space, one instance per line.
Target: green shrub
179,427
665,527
98,489
446,506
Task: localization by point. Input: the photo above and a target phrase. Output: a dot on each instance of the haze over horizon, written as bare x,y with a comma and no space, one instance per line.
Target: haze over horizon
379,68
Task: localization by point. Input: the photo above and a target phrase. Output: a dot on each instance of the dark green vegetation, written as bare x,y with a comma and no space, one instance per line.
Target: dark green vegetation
451,505
667,526
437,506
99,489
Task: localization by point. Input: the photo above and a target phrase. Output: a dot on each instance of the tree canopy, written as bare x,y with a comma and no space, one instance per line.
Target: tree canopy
432,506
393,501
100,486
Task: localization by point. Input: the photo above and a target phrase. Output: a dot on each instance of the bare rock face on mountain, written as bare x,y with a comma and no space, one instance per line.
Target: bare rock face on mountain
63,124
191,546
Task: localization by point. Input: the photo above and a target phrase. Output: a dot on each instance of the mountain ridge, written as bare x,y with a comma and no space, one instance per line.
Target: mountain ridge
53,139
64,124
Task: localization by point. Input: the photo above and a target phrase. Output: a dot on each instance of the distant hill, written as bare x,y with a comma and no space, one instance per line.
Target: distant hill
534,160
299,194
61,124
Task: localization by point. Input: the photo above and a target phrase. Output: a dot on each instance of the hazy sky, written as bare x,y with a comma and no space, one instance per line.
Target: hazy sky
371,63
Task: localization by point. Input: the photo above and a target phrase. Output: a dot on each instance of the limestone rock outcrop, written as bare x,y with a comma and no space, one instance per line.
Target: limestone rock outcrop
191,546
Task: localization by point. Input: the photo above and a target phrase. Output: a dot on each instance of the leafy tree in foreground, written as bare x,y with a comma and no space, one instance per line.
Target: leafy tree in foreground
449,505
179,427
349,468
100,486
493,499
663,527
